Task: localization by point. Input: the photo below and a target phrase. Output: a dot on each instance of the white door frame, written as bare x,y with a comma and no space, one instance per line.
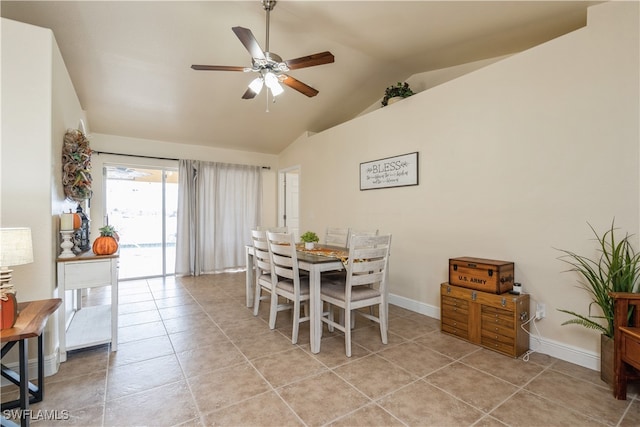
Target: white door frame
282,197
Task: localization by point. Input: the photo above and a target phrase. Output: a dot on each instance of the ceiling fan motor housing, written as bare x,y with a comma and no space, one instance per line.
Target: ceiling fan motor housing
269,4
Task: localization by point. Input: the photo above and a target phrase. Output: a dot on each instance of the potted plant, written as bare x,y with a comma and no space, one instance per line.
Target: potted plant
309,238
395,93
615,269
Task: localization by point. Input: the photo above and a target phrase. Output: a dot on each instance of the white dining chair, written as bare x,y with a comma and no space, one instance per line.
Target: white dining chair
336,236
365,285
287,281
262,262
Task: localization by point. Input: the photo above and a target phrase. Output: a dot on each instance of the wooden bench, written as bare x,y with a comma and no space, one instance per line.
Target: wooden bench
626,362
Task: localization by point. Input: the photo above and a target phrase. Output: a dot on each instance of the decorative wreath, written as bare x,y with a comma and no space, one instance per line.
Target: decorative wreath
76,166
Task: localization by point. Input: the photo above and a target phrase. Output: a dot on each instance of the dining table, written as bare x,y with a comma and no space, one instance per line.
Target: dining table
320,259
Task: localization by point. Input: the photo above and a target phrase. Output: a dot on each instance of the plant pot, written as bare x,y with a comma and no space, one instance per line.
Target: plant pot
606,359
308,245
394,100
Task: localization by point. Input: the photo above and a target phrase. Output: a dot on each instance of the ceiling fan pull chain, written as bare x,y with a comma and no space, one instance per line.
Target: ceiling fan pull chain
267,98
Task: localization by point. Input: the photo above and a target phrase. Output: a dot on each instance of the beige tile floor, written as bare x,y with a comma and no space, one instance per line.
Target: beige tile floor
190,353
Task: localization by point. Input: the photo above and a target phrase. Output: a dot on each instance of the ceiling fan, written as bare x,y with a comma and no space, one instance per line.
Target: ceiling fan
270,67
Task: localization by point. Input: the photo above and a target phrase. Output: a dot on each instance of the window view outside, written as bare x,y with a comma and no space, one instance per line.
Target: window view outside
142,206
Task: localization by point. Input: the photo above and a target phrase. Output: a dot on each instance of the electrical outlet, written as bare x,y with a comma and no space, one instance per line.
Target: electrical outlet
541,311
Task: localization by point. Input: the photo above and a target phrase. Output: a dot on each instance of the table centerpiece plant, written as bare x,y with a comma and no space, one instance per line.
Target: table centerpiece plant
309,238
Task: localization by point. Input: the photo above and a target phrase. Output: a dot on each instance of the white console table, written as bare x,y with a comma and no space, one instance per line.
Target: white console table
91,325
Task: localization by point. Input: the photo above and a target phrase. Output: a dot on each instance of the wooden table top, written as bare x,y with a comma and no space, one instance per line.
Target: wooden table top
31,320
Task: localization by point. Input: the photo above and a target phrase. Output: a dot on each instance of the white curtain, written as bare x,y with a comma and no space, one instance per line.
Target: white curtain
218,206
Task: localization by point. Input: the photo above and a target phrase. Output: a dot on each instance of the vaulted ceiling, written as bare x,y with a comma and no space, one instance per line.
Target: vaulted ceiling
130,61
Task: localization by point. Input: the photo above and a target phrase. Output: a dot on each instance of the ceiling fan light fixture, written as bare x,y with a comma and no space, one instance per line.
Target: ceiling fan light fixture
272,83
256,85
276,89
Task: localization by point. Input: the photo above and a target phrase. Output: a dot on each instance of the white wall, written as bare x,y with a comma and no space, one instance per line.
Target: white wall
423,81
38,105
515,159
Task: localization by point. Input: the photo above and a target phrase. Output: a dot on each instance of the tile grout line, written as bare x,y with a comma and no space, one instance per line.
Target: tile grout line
249,362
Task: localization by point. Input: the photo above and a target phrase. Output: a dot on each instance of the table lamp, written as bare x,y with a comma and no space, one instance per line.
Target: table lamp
15,249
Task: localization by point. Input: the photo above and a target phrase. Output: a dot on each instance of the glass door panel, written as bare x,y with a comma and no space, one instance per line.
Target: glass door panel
142,205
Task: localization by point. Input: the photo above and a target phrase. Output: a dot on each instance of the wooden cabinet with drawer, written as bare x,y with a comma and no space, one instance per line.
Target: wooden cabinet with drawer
493,321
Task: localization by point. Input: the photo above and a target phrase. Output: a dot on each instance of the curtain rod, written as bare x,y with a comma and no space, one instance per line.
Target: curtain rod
151,157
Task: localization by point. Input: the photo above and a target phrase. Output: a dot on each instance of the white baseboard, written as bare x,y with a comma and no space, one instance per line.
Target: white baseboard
416,306
51,364
566,352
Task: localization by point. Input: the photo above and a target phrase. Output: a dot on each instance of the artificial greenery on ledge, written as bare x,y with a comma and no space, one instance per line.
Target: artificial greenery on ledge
399,89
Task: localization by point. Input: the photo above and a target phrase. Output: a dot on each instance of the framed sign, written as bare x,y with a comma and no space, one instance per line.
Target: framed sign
398,171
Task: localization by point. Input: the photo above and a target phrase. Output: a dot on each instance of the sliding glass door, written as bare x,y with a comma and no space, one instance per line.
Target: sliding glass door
142,203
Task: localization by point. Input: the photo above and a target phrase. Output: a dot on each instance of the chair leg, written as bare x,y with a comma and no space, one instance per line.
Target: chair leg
273,311
256,299
353,318
330,317
384,323
347,334
296,321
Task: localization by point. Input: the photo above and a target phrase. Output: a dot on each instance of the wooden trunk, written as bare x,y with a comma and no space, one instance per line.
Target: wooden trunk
486,275
492,321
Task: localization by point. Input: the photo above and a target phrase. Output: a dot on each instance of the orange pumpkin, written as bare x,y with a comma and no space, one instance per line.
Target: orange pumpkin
105,245
77,221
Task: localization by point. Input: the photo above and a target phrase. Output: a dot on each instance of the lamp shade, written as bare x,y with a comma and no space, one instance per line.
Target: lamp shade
16,247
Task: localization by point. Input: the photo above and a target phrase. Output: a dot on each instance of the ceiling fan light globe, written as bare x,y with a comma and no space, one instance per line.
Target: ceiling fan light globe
256,85
270,79
276,89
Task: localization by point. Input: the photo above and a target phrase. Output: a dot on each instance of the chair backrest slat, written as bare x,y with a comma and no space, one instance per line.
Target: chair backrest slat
274,229
361,233
284,258
261,250
368,261
336,236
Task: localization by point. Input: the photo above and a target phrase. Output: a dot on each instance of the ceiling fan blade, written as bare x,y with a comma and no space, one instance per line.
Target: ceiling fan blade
217,68
249,94
299,86
310,61
249,41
